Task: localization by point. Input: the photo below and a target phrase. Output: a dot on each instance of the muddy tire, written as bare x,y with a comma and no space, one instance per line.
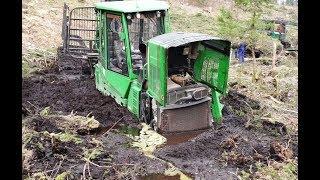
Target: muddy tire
153,125
145,108
85,70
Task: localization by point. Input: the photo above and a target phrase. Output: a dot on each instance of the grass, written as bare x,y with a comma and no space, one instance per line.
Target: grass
183,21
275,170
27,69
67,137
37,59
93,153
270,89
63,176
201,3
45,112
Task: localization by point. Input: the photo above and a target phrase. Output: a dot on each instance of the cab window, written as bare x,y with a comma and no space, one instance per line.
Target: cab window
116,47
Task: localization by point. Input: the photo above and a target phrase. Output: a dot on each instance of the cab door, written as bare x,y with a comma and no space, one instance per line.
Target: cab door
115,57
212,65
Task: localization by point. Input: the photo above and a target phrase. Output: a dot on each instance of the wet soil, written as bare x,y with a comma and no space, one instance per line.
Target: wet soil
206,156
66,89
177,138
158,177
216,153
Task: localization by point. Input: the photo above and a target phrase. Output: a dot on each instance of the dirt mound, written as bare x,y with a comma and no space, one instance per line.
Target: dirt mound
240,102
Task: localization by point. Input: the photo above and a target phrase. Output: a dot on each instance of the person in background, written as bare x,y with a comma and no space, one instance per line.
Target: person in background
240,52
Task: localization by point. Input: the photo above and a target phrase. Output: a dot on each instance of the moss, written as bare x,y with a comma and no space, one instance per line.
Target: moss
280,171
67,137
25,69
63,176
45,112
92,154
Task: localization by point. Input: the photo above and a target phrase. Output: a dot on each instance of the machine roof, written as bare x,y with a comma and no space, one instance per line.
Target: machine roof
175,39
133,5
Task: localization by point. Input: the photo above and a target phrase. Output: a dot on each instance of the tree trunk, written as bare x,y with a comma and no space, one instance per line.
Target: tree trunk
274,55
254,64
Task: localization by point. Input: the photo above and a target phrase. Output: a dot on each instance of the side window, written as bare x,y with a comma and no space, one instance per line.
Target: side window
116,48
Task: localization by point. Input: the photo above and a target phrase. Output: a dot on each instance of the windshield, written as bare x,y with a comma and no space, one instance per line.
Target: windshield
143,28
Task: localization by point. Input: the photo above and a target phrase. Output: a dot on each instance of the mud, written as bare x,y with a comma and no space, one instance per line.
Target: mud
158,177
205,157
241,102
118,159
177,138
65,89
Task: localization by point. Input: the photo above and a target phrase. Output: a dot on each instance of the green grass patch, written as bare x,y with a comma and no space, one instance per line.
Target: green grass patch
92,154
182,21
67,137
281,171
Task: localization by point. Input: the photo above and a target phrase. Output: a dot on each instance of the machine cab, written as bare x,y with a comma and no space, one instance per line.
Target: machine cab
123,31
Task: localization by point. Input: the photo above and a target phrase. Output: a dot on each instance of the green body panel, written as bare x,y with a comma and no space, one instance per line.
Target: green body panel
112,84
132,6
157,72
216,106
211,68
134,98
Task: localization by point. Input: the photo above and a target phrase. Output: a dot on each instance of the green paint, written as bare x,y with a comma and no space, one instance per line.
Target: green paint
157,72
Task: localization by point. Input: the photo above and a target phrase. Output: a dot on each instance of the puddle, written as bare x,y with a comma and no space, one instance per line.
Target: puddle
124,129
101,130
177,138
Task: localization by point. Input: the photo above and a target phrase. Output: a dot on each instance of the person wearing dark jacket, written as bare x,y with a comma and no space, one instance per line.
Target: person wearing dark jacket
240,52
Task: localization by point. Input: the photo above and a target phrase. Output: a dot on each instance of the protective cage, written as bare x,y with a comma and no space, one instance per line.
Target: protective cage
79,30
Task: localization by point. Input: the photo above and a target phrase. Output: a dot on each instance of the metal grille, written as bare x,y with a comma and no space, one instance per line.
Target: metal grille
81,30
189,118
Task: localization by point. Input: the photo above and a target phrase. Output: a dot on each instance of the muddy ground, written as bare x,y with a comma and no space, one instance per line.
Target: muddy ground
54,146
